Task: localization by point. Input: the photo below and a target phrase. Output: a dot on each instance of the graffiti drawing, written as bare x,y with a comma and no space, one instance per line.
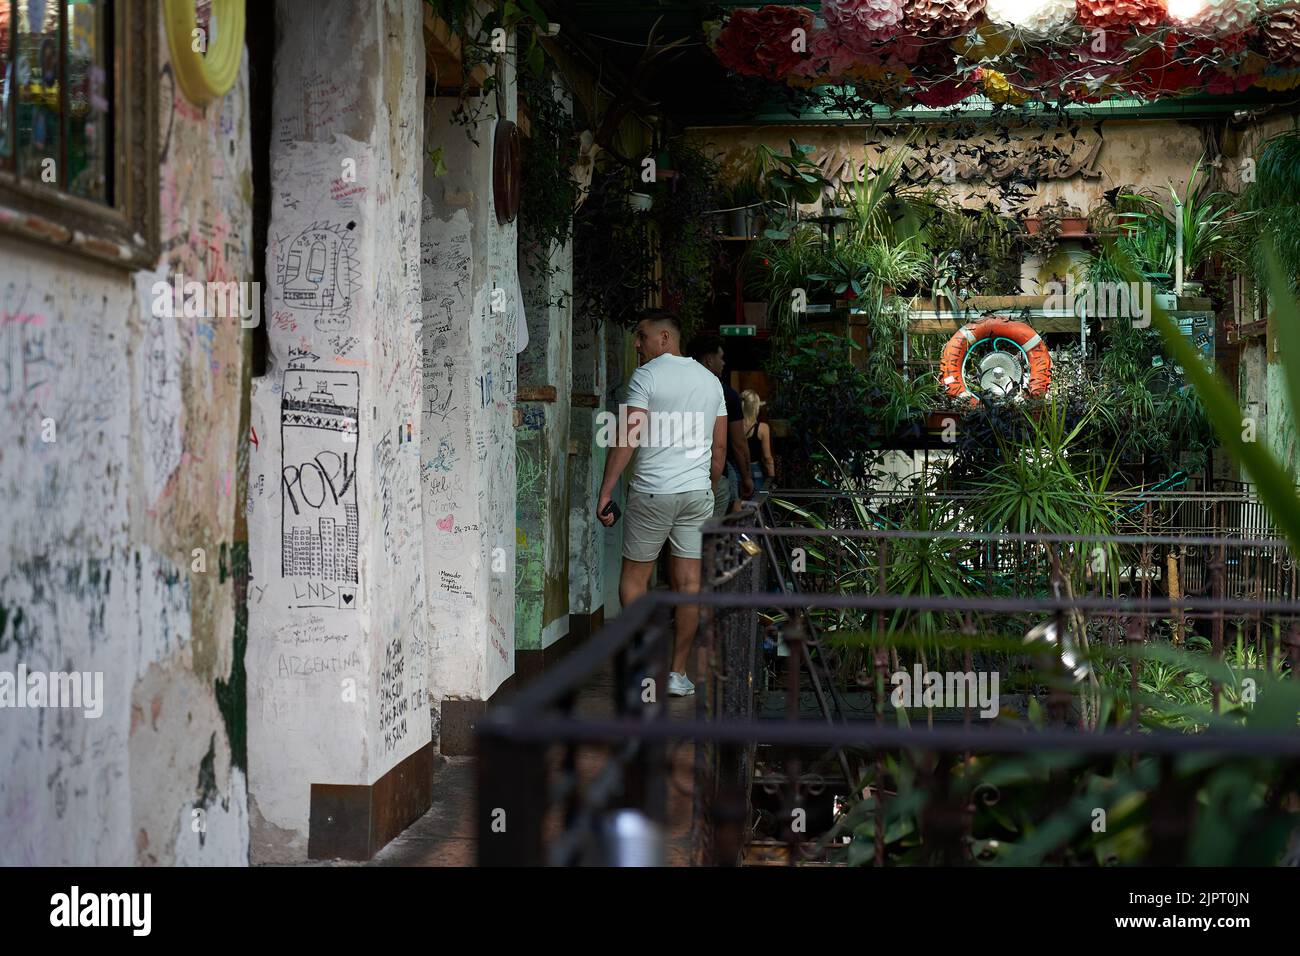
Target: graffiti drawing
319,429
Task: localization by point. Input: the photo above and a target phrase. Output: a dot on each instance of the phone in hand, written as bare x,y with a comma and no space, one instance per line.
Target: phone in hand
612,509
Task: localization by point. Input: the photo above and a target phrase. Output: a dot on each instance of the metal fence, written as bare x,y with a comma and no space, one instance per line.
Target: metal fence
568,776
1170,543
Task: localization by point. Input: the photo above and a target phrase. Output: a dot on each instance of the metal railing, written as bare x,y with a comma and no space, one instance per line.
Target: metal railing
571,776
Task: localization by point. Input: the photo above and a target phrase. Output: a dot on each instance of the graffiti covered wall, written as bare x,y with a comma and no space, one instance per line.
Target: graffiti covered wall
122,433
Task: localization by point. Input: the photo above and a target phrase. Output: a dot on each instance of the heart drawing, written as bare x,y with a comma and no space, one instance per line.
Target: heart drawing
445,524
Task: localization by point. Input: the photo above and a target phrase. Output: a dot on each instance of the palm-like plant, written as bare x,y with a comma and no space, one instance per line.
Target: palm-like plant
1209,225
884,209
1044,485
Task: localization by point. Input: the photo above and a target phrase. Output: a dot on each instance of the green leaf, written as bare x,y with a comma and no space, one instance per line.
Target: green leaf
536,59
1275,486
534,11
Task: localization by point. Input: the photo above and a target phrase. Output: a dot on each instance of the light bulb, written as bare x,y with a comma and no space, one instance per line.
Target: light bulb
1186,10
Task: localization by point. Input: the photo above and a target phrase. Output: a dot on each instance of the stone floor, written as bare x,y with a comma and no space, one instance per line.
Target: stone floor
447,834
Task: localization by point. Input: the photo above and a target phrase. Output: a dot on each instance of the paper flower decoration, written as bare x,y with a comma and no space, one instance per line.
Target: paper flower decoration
987,42
763,42
997,89
1279,36
1279,80
1164,69
1212,17
828,58
940,18
1122,15
1041,17
943,93
859,22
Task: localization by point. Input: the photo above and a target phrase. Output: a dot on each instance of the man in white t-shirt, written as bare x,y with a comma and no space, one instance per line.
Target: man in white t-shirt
676,422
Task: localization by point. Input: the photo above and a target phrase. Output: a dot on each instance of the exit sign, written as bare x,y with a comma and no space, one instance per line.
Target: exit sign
738,330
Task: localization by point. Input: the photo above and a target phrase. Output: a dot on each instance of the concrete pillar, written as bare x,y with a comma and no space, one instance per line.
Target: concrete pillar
542,446
339,730
472,335
586,469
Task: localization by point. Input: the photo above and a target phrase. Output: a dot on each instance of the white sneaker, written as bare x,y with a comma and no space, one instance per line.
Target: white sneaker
679,686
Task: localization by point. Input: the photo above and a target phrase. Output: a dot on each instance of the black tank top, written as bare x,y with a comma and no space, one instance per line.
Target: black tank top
755,445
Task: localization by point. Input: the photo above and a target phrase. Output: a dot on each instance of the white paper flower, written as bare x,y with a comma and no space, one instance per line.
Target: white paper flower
1212,17
1032,16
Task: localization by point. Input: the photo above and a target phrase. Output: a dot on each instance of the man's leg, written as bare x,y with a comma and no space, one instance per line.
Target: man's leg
686,543
684,574
634,581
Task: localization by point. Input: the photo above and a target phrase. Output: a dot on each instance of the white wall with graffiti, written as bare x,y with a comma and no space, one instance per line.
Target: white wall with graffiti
120,438
472,334
337,636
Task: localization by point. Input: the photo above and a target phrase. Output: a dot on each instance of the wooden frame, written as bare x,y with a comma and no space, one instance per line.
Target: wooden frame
124,234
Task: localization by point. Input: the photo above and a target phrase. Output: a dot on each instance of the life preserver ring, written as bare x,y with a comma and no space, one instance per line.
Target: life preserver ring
954,355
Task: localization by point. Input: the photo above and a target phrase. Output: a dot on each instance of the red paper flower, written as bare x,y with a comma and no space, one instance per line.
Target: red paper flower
944,93
1122,15
762,42
1164,69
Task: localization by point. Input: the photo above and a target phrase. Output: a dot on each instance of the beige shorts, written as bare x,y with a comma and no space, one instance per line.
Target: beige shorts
652,519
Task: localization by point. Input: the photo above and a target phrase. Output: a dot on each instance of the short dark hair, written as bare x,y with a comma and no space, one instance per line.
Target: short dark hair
703,345
662,316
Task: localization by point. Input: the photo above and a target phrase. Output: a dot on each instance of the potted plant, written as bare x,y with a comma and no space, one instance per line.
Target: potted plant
742,206
844,275
1210,227
792,179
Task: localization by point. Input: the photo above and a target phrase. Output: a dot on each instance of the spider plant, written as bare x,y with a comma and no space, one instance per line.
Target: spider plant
778,267
883,208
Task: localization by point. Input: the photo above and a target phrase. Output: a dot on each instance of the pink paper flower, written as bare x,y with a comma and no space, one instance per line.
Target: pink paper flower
828,58
941,18
859,22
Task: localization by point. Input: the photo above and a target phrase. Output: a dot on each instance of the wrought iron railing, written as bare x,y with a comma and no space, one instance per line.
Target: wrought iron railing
567,777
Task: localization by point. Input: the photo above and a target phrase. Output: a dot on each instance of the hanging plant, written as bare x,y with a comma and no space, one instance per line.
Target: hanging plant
613,263
686,245
525,19
548,190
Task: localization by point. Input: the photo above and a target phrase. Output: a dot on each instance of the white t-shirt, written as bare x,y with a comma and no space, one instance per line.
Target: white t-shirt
684,400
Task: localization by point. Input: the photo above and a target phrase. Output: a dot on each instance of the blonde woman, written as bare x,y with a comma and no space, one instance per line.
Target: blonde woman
759,437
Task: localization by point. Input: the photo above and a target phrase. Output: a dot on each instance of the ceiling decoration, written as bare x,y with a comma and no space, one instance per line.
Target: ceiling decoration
899,53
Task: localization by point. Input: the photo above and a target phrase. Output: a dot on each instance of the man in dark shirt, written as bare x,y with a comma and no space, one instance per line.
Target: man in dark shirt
737,483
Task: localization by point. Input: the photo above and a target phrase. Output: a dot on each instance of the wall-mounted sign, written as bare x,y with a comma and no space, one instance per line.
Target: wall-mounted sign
942,156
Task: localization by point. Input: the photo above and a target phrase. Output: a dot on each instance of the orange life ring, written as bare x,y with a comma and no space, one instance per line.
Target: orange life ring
954,355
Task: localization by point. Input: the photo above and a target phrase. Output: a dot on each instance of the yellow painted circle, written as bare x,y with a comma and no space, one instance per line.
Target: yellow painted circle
203,77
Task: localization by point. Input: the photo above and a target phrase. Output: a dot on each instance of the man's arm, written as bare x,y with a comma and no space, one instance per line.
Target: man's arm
616,460
719,448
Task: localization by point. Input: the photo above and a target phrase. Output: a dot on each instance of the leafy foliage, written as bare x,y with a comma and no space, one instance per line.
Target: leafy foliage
548,191
1274,197
686,243
613,263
